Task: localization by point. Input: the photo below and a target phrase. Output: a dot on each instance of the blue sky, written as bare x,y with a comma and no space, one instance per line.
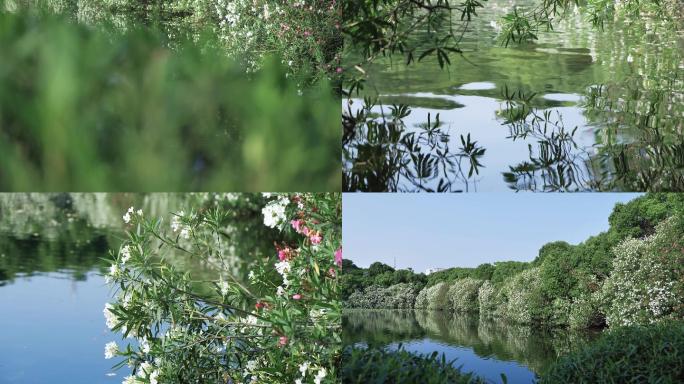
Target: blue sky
465,230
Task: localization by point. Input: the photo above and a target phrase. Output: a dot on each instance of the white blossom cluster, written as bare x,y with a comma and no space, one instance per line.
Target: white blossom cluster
274,212
641,288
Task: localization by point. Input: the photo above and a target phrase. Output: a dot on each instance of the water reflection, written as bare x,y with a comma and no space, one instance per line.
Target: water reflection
620,91
485,346
52,291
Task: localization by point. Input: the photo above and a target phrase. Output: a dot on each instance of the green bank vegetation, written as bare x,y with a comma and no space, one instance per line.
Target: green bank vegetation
630,274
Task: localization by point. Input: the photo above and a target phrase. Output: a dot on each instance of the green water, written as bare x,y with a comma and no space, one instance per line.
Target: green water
486,347
621,87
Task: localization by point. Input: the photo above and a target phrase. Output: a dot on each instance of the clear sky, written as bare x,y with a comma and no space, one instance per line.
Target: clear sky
465,230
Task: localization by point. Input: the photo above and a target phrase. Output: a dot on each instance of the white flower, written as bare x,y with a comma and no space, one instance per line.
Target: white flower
223,285
320,375
127,215
125,253
274,212
153,377
298,381
144,345
280,291
177,225
110,316
303,367
129,380
139,212
251,365
251,275
114,270
111,349
283,267
145,369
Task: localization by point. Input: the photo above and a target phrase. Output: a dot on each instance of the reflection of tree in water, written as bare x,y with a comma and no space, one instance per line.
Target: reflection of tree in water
380,154
640,147
533,347
377,328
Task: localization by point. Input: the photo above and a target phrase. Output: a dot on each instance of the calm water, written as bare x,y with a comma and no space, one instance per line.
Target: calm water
52,292
486,347
622,88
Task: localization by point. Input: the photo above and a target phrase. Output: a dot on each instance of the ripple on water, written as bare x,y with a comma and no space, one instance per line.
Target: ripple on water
563,97
477,86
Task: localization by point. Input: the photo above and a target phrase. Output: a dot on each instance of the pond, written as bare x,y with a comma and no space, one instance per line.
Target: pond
486,347
52,288
621,88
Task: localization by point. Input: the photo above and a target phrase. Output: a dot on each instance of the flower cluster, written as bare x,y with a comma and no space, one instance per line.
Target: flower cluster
646,279
280,323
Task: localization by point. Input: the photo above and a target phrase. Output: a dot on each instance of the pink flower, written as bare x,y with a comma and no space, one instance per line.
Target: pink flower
296,296
331,272
339,69
282,340
338,257
315,237
298,225
283,253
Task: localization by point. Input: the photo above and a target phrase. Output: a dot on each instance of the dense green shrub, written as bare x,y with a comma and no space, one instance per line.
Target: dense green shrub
421,299
81,109
303,33
398,296
522,298
646,284
566,284
436,297
377,366
637,354
487,297
462,295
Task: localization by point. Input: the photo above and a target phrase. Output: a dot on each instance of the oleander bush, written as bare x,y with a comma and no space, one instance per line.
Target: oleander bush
279,323
303,33
487,297
379,366
647,284
422,299
522,299
463,295
630,274
398,296
436,296
634,354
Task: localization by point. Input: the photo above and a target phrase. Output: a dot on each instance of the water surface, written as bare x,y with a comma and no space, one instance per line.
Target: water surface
621,88
486,347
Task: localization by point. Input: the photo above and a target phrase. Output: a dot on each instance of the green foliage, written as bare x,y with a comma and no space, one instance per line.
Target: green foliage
463,295
378,274
303,34
397,296
273,325
638,354
377,366
646,284
81,109
617,276
436,296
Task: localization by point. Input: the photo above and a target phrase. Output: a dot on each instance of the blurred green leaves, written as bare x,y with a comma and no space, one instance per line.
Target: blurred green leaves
87,110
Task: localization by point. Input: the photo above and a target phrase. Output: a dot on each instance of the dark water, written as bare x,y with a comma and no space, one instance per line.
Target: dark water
621,88
484,346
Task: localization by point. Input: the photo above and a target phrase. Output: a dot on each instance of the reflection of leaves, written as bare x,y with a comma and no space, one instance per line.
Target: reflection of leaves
380,155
